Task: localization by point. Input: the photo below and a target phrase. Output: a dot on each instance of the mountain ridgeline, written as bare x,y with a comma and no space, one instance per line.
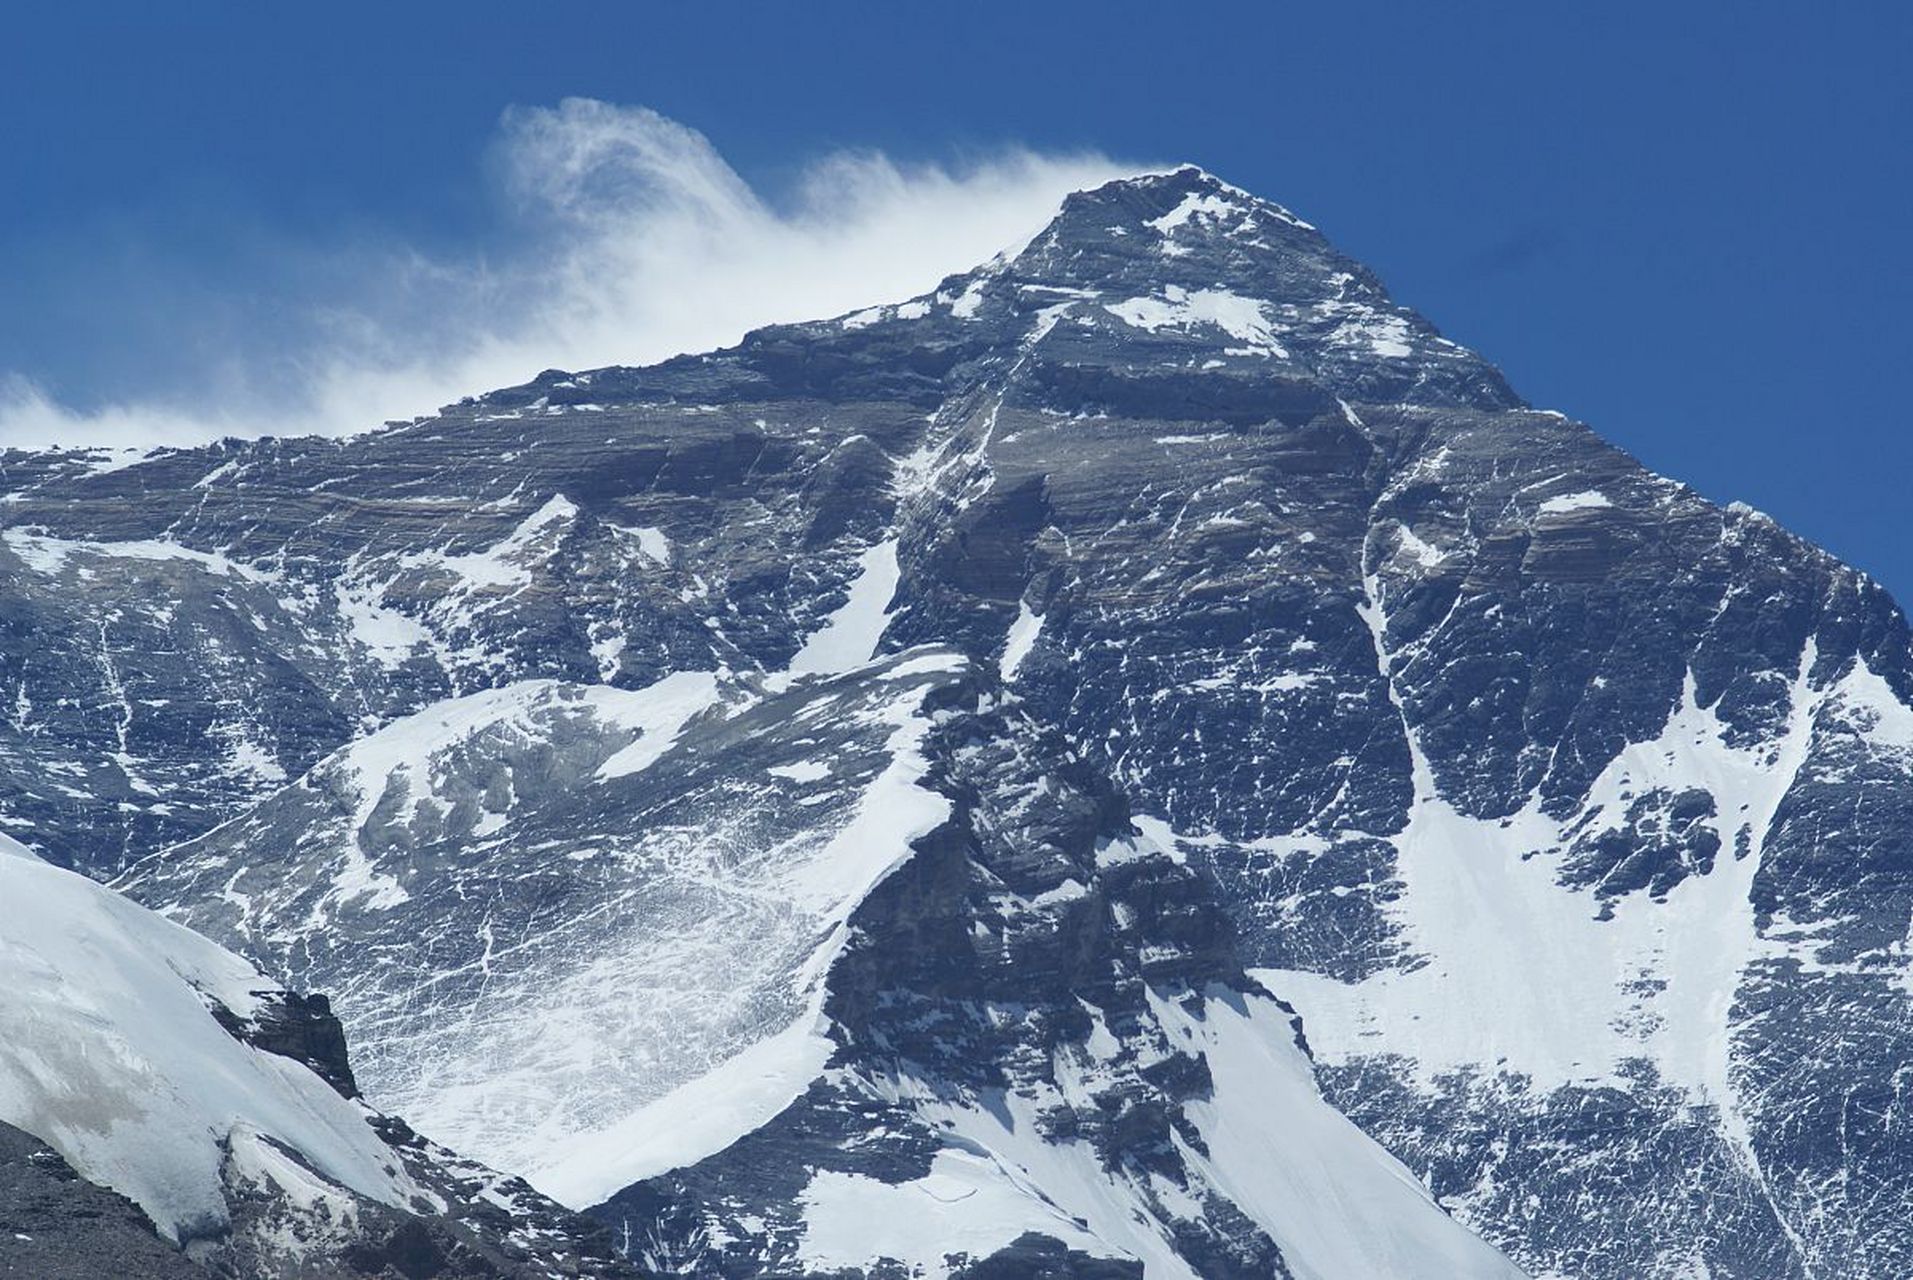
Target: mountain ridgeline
1146,761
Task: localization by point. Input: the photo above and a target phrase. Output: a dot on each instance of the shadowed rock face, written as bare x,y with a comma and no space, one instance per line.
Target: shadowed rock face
56,1226
299,1027
1211,644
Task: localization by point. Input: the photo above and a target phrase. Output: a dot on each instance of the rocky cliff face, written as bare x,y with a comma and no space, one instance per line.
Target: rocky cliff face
1145,757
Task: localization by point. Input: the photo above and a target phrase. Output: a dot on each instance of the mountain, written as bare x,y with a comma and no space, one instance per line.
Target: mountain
1147,759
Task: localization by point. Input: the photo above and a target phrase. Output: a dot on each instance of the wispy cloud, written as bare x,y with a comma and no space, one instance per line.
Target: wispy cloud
633,240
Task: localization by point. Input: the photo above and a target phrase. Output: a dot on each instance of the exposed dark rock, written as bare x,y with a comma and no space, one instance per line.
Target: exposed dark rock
54,1225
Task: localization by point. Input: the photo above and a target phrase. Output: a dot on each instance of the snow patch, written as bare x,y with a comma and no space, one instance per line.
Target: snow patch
390,637
1196,204
503,563
1586,500
1022,638
652,542
1423,553
1866,703
964,1205
1369,329
848,639
657,714
964,307
802,771
48,555
1244,319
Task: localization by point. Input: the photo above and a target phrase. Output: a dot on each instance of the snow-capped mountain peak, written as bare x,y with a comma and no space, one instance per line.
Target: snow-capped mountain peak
1144,759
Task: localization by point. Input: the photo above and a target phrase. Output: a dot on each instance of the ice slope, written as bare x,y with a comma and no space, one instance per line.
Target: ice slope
1337,1203
110,1054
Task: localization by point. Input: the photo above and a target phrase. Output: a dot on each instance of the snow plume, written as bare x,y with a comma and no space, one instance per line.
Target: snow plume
629,240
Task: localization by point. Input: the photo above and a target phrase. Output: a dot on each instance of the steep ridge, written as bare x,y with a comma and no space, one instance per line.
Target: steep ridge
1563,807
185,1100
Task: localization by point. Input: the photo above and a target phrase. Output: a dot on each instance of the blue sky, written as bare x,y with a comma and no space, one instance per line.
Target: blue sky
1685,224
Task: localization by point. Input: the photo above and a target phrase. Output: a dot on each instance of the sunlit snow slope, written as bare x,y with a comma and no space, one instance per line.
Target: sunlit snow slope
110,1053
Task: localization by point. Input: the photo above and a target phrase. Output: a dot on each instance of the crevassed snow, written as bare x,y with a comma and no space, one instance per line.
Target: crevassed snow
399,756
110,1056
1332,1199
817,884
848,639
591,1053
1586,500
1022,638
1244,319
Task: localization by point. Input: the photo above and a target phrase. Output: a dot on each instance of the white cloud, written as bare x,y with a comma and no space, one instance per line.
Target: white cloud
634,241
